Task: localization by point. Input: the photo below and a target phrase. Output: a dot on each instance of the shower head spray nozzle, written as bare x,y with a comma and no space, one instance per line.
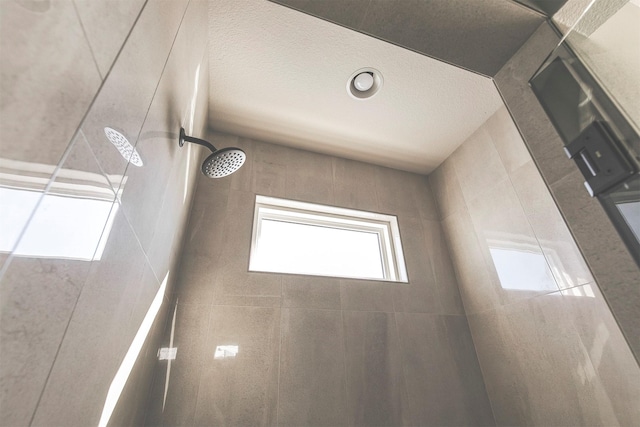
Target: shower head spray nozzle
221,162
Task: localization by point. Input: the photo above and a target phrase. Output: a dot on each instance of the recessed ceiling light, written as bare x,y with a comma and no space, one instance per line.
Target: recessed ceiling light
364,83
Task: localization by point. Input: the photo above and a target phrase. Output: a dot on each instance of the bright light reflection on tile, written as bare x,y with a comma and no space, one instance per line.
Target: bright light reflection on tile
580,291
522,270
119,381
225,351
63,226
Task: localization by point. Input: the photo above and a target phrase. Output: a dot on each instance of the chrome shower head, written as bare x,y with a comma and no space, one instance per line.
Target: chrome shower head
221,162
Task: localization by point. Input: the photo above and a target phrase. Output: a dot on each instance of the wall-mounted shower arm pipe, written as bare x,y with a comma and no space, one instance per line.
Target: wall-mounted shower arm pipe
220,163
184,137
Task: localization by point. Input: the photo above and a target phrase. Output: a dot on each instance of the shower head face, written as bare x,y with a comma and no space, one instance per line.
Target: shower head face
223,162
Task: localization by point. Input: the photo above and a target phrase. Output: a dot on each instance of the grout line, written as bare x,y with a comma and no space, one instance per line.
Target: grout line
403,414
314,308
279,361
484,382
343,343
200,364
464,211
93,56
124,43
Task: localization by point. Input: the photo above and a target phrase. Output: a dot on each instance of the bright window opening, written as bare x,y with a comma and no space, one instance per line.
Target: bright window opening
305,238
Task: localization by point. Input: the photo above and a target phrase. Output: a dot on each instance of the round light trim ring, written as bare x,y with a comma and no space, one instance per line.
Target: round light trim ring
364,83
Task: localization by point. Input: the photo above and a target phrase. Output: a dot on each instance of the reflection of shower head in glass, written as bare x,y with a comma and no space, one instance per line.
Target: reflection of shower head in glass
221,162
124,146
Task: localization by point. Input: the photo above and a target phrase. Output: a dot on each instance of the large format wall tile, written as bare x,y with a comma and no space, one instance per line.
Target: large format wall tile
124,100
507,140
46,89
376,393
107,24
43,280
34,319
268,163
240,389
610,355
548,357
420,294
326,321
477,164
477,285
175,390
538,370
560,250
511,251
173,106
613,267
446,284
404,194
352,182
103,325
312,369
310,177
367,295
446,189
84,256
310,292
439,362
605,253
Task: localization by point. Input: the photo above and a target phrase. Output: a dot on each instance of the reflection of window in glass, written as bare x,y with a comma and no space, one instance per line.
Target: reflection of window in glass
68,222
522,270
630,211
304,238
62,227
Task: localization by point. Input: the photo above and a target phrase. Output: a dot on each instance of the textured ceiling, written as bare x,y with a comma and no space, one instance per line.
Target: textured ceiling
280,75
479,35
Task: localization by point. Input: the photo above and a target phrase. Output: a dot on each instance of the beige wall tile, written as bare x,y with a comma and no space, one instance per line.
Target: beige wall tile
106,24
312,369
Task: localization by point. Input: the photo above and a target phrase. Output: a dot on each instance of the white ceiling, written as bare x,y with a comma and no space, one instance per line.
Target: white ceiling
280,75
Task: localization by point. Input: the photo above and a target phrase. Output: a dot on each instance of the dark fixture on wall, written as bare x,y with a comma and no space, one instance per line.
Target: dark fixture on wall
597,136
221,162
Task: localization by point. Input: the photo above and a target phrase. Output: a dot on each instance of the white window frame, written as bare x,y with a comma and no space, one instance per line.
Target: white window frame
385,226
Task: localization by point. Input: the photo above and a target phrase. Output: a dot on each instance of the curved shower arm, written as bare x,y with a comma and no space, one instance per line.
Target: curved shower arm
184,137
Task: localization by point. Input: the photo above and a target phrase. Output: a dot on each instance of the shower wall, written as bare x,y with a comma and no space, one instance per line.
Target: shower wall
615,270
549,349
314,350
89,240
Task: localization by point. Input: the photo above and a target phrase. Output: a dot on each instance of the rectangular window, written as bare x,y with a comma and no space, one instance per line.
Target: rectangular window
306,238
